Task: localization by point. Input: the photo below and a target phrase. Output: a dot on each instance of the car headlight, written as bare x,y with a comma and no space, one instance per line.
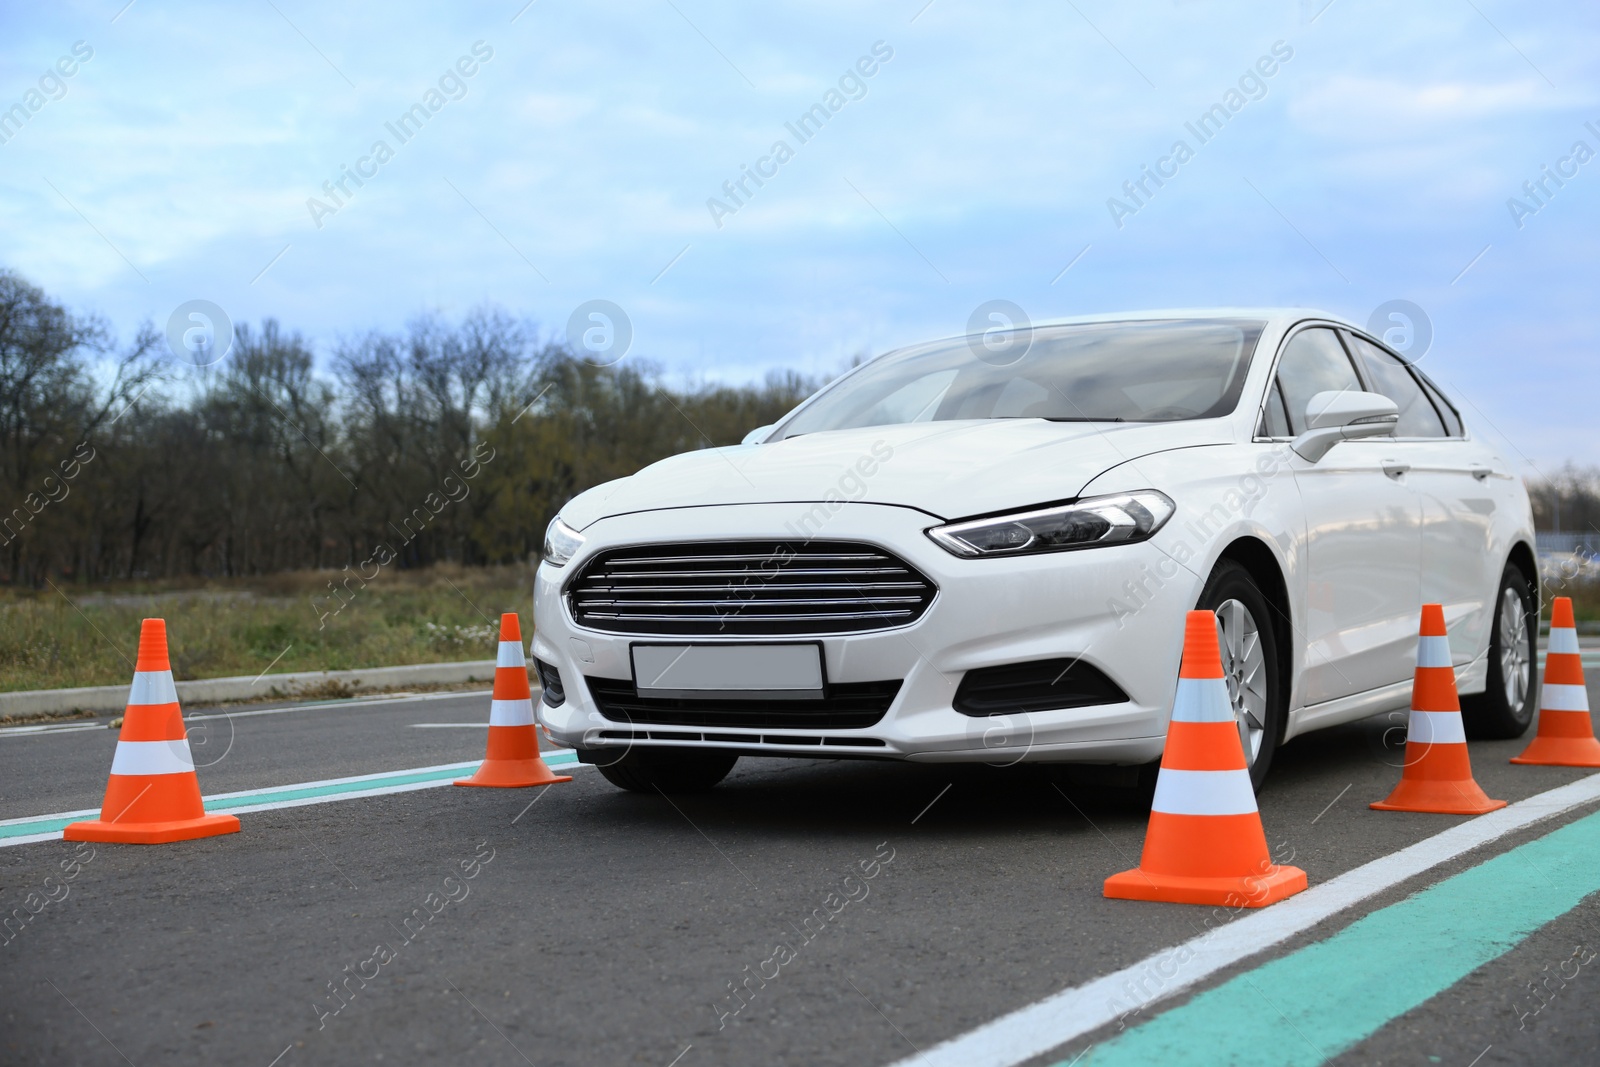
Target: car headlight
1088,523
561,542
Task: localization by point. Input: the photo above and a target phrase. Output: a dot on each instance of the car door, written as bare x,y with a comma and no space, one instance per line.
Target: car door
1451,477
1363,537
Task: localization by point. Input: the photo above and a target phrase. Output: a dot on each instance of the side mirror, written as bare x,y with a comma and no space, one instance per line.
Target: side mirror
1343,415
757,435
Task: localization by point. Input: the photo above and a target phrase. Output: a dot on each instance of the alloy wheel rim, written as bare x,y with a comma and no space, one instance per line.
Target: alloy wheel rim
1244,667
1515,664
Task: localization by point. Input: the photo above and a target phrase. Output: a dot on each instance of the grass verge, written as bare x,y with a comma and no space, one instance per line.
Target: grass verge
73,635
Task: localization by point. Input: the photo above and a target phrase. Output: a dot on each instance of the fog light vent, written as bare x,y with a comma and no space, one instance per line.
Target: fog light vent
1039,685
550,682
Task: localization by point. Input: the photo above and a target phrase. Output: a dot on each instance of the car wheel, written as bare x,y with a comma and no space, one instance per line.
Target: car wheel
668,770
1505,708
1249,662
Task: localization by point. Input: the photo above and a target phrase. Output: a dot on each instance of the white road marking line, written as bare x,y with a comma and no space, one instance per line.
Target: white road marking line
35,838
449,726
69,727
84,814
49,728
415,697
449,772
1060,1018
263,791
470,765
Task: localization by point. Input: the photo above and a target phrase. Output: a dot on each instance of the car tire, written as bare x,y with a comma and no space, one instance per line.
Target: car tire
668,770
1505,708
1256,685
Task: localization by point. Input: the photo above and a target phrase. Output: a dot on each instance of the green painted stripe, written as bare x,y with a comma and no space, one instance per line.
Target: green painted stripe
285,794
333,789
1308,1006
39,826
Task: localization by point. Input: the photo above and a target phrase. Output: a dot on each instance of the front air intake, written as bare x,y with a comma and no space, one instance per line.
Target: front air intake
847,706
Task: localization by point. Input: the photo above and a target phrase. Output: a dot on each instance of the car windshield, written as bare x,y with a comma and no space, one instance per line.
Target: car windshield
1145,371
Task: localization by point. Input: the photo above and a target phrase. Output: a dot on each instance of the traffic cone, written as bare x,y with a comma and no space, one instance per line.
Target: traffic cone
513,756
152,795
1437,775
1205,844
1566,736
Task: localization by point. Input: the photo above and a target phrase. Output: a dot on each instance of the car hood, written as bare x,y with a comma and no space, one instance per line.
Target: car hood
946,469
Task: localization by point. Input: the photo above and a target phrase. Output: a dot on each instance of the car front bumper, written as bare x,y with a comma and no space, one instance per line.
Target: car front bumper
1119,609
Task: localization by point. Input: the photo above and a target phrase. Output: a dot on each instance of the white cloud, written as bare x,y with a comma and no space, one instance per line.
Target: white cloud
1363,107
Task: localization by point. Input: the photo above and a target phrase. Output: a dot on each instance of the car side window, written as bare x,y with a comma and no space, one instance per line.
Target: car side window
1274,420
1313,362
1394,379
1447,411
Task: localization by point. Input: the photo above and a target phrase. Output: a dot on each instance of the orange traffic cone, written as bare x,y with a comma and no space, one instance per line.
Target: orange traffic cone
1566,736
1205,844
1438,774
513,757
152,795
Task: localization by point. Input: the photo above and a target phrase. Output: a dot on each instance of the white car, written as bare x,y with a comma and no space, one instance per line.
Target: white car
982,549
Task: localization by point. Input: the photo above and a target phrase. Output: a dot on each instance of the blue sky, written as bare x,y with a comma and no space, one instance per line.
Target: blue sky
1375,164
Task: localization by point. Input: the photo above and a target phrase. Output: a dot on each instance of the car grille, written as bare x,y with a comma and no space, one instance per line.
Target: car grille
747,588
847,706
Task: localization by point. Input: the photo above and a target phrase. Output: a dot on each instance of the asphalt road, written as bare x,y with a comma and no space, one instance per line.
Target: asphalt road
601,927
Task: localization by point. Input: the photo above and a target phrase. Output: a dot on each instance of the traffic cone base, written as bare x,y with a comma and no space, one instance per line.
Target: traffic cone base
1549,751
1566,734
512,760
514,773
1205,843
1438,798
152,833
1250,891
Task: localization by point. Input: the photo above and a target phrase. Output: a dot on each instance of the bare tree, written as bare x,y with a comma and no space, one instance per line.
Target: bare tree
456,440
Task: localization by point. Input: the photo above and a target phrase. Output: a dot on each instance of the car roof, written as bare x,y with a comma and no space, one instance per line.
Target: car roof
1282,317
1277,319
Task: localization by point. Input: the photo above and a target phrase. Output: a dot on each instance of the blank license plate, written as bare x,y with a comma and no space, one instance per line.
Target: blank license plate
726,672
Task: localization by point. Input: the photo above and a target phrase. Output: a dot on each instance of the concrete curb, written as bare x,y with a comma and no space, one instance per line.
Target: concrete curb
217,690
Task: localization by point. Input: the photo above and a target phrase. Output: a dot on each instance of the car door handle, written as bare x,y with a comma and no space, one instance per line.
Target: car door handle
1480,472
1394,468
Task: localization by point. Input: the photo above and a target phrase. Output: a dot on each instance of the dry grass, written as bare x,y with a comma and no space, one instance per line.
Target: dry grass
76,636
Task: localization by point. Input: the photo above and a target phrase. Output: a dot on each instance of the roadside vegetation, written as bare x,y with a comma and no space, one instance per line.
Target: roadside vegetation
226,627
